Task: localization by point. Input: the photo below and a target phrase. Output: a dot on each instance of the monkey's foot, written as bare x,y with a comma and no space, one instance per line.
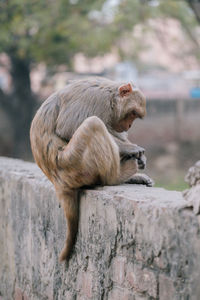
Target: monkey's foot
141,179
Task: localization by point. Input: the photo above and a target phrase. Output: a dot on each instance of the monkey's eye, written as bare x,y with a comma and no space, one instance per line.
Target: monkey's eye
136,114
133,113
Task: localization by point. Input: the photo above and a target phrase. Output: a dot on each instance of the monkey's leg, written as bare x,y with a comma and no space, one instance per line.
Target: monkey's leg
91,155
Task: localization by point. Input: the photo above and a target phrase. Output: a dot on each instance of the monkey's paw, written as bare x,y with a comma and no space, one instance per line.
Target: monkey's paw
142,162
141,179
135,152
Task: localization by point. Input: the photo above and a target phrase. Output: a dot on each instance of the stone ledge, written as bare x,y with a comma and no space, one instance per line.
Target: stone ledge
134,242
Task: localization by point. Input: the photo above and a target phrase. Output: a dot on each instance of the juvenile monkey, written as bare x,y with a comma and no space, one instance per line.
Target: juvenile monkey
79,138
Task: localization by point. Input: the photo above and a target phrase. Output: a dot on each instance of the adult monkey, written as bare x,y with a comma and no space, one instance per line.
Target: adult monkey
78,138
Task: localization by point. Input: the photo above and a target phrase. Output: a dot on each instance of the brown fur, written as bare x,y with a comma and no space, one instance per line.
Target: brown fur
75,142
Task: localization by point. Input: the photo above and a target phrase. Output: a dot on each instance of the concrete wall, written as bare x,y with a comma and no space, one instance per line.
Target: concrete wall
134,242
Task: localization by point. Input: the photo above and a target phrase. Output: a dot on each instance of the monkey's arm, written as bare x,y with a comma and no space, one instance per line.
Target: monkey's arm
128,150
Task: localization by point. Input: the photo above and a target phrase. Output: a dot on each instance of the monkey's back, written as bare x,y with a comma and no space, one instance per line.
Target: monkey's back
43,139
63,112
84,98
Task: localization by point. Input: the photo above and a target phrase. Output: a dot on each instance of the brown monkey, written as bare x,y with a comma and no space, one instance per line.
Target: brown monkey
78,138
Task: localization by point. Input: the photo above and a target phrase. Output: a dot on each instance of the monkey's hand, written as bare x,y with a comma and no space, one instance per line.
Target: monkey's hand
133,152
141,179
142,162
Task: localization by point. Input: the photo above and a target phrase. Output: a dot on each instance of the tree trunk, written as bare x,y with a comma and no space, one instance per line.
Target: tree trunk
195,6
23,104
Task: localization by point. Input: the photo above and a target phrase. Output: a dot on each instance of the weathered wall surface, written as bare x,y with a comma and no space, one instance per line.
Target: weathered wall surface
134,242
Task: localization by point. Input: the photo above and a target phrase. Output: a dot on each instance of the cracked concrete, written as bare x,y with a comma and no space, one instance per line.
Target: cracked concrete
134,242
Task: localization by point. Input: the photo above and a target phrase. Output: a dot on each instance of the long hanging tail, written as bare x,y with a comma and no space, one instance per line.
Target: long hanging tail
69,202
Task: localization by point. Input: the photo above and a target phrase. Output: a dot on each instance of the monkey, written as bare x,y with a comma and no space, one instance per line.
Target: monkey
79,138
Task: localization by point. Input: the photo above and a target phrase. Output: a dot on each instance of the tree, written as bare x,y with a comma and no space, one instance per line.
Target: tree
42,31
195,6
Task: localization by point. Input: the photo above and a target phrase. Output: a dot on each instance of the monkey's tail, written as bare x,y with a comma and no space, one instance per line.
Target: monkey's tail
69,202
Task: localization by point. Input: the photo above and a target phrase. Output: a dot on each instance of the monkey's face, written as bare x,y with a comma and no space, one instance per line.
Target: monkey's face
125,123
131,105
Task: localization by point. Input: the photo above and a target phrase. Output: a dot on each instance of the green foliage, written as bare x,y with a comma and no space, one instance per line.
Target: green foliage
53,31
133,12
50,31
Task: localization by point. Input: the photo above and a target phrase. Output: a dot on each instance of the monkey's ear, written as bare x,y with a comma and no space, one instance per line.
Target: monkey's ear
125,89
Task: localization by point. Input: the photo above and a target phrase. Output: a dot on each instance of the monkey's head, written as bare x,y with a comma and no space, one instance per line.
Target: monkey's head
131,104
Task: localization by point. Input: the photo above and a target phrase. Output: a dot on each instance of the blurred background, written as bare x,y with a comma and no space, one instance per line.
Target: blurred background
153,43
